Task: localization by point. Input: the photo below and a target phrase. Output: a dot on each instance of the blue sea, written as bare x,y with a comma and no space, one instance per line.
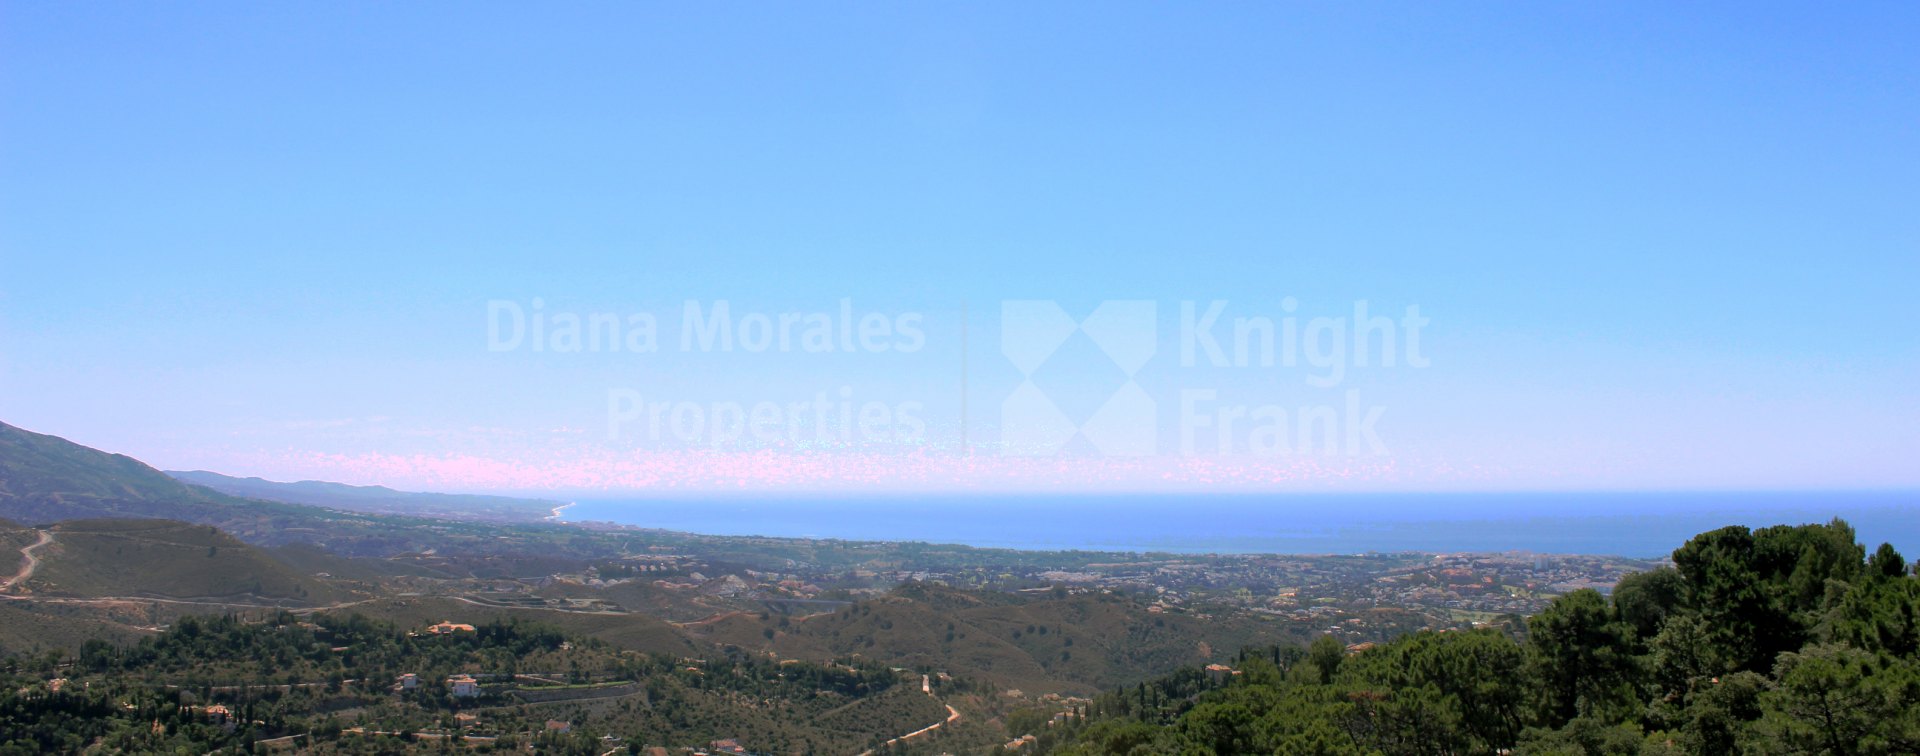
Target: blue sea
1624,524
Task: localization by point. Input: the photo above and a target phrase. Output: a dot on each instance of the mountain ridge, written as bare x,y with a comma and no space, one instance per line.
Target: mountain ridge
374,499
46,478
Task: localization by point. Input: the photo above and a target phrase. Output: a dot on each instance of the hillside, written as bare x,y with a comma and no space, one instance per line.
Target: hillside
627,631
1050,643
166,559
324,684
376,499
32,630
13,538
1787,639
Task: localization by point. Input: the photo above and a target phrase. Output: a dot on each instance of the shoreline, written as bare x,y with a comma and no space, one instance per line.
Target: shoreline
1616,525
555,517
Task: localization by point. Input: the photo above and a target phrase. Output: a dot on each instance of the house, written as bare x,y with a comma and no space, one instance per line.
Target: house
448,628
464,686
408,681
464,720
220,715
728,746
557,726
1220,673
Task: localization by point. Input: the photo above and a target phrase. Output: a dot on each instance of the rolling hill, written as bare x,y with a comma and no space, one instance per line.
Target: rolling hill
25,629
166,559
628,631
1047,643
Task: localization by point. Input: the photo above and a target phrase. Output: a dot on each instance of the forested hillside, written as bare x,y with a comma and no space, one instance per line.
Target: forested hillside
333,685
1779,640
1053,642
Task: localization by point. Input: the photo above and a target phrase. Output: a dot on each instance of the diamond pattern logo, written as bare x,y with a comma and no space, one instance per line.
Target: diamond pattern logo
1031,331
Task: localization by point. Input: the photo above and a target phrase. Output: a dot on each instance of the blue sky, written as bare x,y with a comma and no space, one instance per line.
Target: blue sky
1659,247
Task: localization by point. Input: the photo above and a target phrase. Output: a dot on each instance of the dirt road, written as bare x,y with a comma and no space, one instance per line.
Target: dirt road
33,562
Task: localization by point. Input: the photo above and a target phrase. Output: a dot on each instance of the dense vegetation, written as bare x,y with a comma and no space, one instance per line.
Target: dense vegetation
1053,642
329,684
1781,640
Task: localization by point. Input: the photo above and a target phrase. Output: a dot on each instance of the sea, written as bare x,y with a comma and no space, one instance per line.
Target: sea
1648,524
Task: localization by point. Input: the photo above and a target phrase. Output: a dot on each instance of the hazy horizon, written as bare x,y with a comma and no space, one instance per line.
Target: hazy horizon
941,251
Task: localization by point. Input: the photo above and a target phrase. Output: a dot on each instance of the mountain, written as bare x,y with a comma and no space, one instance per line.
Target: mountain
47,478
376,499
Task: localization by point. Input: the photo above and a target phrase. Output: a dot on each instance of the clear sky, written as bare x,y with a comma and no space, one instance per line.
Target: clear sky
1650,246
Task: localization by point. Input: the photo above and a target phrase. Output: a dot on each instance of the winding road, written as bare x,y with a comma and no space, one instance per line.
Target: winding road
953,715
33,562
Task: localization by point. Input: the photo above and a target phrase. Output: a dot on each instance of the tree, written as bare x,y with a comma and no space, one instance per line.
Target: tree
1718,712
1799,560
1226,727
1644,600
1763,592
1584,735
1886,562
1840,700
1684,652
1581,655
1725,590
1467,683
1879,613
1325,654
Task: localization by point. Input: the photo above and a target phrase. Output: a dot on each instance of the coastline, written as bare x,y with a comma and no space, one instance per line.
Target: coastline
555,517
1631,524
